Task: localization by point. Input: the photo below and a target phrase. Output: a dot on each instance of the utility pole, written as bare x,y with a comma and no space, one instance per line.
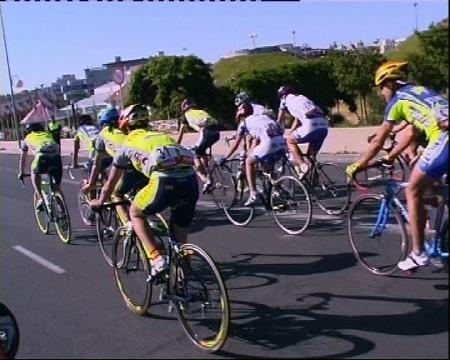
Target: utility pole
13,103
293,35
253,37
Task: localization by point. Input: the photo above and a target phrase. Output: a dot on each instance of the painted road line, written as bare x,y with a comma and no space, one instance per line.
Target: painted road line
40,260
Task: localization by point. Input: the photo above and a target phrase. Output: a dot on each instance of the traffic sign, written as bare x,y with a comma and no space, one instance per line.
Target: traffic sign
118,76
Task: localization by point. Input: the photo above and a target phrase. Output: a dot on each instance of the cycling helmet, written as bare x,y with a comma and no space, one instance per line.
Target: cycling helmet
244,110
284,90
391,70
135,115
109,116
34,127
241,98
85,119
186,104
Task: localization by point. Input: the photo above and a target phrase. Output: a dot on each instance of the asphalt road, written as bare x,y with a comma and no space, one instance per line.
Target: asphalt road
291,296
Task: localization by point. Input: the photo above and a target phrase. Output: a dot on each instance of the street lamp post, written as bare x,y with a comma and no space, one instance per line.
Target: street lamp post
253,37
415,15
293,36
13,103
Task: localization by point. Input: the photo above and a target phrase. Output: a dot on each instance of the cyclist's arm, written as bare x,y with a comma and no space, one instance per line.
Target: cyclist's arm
281,117
114,176
234,147
295,125
181,133
376,144
95,168
397,128
23,161
404,140
76,148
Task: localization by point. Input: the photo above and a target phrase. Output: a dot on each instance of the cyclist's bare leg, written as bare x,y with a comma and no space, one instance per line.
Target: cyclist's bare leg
418,183
142,229
199,168
36,181
251,177
204,161
295,150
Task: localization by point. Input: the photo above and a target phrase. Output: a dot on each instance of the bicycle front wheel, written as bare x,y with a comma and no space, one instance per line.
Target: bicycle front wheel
236,194
200,298
106,225
41,215
62,218
291,205
218,182
377,234
132,271
331,192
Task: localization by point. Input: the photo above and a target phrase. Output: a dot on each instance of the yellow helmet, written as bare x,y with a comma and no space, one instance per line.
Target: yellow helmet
390,70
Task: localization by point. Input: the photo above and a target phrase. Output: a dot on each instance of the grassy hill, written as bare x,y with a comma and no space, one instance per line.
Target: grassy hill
227,68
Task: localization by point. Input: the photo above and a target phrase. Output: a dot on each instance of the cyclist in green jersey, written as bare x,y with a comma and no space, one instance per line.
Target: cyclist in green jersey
171,180
426,110
47,159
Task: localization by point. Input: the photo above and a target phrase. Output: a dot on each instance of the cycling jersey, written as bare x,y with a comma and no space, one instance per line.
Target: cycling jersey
309,114
197,119
54,127
270,136
40,142
262,110
150,151
419,106
87,134
109,141
172,181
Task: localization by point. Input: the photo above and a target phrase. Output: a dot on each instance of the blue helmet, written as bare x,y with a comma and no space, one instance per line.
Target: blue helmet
109,116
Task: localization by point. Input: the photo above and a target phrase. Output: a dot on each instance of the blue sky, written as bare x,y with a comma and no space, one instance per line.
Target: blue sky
46,40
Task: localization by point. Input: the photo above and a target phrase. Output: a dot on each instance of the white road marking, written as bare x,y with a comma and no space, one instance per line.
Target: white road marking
40,260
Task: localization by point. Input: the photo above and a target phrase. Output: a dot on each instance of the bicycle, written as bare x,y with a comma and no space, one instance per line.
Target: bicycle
376,227
9,333
284,196
53,210
203,311
327,183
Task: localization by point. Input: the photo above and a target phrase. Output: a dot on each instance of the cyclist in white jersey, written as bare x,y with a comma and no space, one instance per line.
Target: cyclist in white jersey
258,109
309,126
269,146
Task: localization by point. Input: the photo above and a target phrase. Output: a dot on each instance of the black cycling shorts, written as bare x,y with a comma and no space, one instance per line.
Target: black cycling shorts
48,164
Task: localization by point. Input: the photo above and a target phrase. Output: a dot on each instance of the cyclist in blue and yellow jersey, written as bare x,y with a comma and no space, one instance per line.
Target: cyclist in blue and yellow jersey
209,133
47,159
86,133
428,111
171,180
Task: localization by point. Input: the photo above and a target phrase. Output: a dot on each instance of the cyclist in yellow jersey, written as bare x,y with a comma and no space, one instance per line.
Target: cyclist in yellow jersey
209,133
47,159
107,143
427,111
171,180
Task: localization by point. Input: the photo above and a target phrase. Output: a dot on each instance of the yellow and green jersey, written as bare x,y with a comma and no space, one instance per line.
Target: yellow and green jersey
150,151
419,106
109,141
40,142
198,119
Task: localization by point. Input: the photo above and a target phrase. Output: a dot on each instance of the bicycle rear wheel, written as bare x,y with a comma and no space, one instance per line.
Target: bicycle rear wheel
236,194
332,192
200,298
106,225
41,215
131,271
377,234
62,218
291,205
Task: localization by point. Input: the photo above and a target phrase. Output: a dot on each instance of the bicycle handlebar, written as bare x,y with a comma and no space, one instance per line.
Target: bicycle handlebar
110,204
21,180
228,139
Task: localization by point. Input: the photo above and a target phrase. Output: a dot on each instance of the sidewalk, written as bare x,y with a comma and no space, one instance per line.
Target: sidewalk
342,143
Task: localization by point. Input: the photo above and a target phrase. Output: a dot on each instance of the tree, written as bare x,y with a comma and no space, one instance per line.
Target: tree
165,81
429,66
